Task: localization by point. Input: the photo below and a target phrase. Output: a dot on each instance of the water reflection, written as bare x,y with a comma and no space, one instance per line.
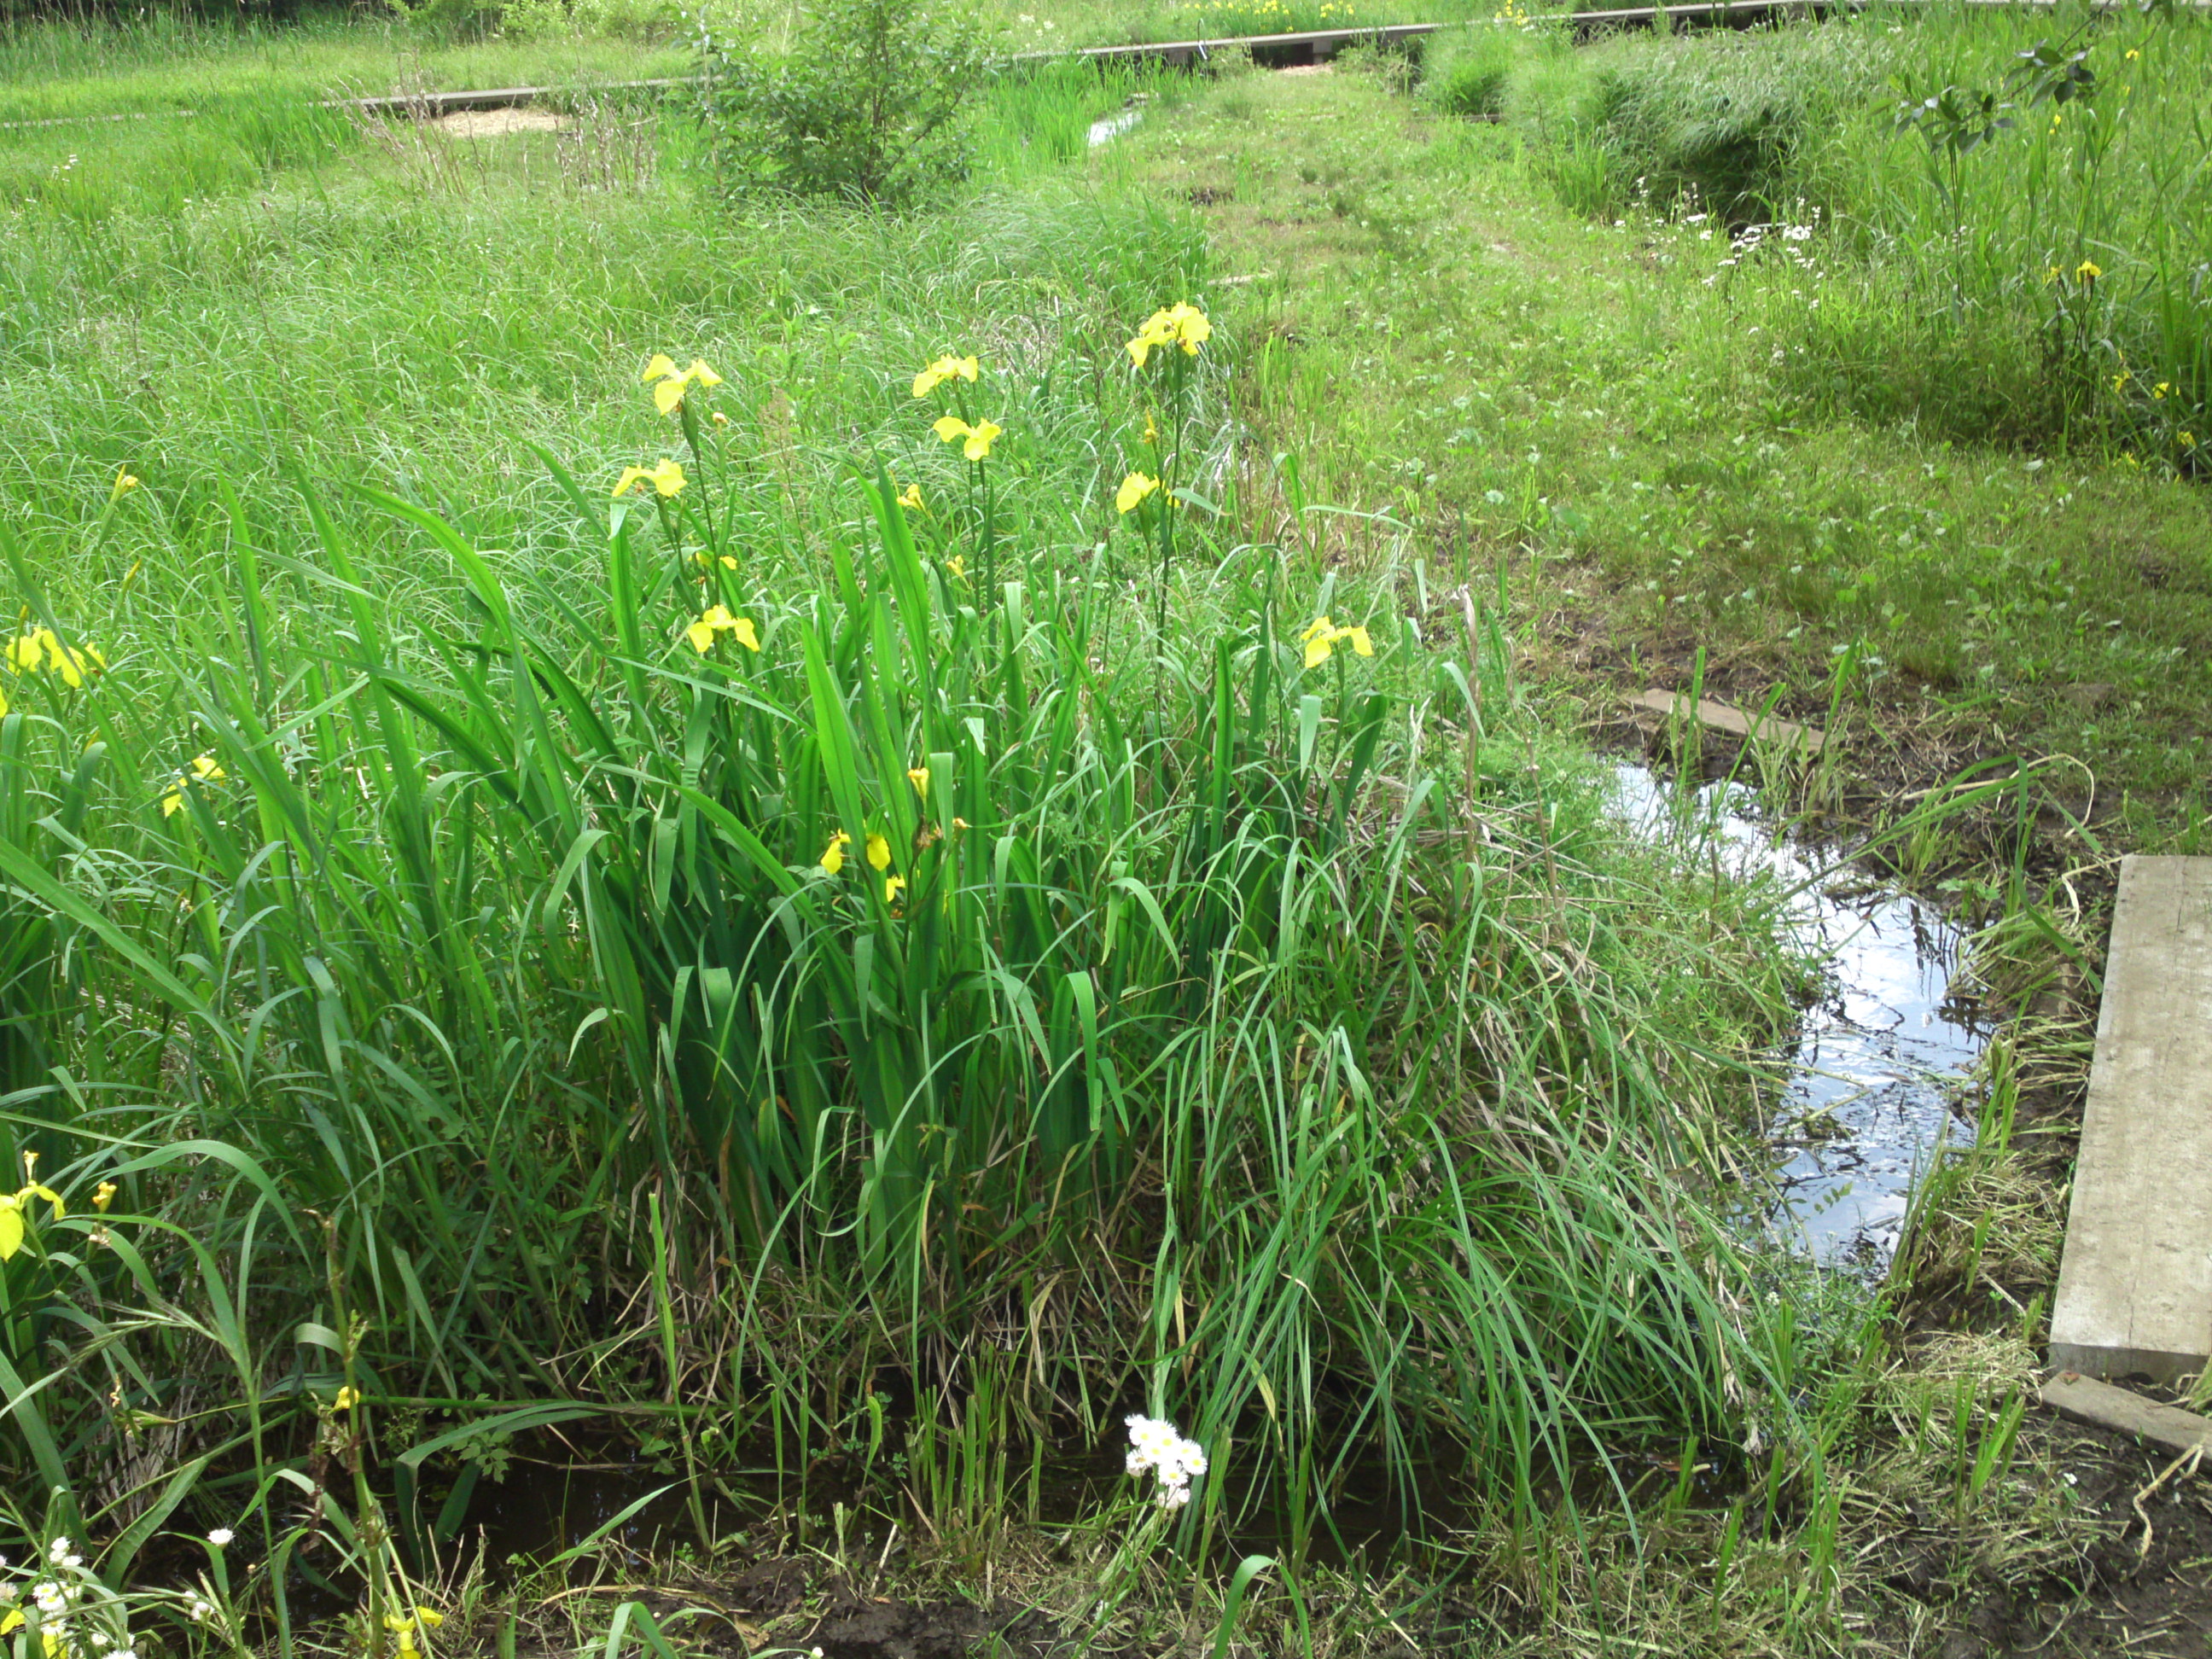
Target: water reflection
1874,1062
1113,126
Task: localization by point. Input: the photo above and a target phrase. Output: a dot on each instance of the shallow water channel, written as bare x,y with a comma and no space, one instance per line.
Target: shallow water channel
1109,127
1873,1068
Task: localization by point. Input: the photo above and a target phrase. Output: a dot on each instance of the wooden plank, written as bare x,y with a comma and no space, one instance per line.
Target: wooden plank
449,103
1722,718
2135,1282
2088,1401
1317,43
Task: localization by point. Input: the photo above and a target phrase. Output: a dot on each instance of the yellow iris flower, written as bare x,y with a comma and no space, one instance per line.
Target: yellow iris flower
404,1627
943,369
956,566
1136,489
2087,271
12,1206
919,777
718,619
833,856
346,1401
893,886
1323,636
667,478
74,666
203,769
40,648
125,482
880,852
978,436
1177,325
103,1195
911,497
675,382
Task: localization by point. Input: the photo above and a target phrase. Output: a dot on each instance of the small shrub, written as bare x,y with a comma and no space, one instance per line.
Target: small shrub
867,104
1466,74
1391,65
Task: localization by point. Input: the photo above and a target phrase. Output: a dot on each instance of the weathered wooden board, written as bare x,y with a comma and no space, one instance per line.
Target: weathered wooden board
1734,722
2134,1284
2088,1401
425,104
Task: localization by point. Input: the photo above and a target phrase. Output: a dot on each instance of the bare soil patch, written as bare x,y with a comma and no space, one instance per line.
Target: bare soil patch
498,123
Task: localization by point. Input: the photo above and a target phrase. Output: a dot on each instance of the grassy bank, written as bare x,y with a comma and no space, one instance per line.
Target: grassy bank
855,965
832,972
1464,327
1658,425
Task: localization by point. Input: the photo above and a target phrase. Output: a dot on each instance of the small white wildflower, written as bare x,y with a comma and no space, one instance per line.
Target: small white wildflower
58,1549
201,1611
1157,1445
73,1562
221,1536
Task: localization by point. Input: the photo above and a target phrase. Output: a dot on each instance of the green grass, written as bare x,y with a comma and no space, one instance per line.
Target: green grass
1679,452
166,62
1295,1047
1292,1047
1958,292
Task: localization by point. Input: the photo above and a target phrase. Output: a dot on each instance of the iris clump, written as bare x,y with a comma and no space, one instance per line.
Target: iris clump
760,896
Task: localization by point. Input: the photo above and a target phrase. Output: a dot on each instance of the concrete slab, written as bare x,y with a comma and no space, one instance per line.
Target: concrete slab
1723,718
2134,1284
2088,1401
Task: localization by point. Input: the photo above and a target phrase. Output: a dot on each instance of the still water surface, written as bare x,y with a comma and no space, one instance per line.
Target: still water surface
1876,1066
